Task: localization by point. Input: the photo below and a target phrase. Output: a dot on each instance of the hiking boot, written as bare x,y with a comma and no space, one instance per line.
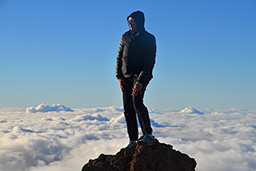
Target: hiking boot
140,138
130,144
147,140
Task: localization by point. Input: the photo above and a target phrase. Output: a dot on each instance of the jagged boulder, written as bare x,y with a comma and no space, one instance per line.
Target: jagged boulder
161,157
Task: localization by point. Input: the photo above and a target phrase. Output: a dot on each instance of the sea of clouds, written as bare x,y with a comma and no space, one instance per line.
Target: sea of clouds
58,138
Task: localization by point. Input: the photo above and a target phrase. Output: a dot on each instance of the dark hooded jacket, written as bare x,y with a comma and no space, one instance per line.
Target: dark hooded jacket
137,52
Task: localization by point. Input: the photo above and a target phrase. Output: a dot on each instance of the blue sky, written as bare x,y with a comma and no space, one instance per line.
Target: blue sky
63,51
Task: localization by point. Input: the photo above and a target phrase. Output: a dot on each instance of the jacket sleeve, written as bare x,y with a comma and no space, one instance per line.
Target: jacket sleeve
119,60
150,55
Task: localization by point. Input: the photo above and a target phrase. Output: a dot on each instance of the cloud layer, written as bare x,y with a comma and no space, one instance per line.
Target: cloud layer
218,140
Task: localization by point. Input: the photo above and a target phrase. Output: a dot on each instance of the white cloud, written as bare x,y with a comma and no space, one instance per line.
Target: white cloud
46,108
218,140
91,117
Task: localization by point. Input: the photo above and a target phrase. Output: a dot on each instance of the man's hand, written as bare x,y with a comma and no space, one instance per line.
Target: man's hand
137,88
121,82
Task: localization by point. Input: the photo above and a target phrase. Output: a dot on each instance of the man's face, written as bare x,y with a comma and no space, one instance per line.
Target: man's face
132,24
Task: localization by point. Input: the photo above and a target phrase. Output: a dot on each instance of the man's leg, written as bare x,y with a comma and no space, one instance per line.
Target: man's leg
129,112
142,111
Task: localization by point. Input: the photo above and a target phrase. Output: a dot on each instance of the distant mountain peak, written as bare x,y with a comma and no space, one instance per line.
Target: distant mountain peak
191,110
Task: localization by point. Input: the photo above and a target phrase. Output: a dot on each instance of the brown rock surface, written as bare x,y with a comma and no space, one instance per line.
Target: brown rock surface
161,157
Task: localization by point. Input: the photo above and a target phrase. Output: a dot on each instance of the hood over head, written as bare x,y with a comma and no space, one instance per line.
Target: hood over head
139,18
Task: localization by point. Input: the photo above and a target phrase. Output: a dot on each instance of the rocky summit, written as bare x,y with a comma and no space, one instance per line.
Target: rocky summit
161,157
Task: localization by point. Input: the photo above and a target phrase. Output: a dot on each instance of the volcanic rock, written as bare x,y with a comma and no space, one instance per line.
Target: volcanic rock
161,157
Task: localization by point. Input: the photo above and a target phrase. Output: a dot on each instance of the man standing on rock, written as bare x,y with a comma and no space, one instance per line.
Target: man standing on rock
134,66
